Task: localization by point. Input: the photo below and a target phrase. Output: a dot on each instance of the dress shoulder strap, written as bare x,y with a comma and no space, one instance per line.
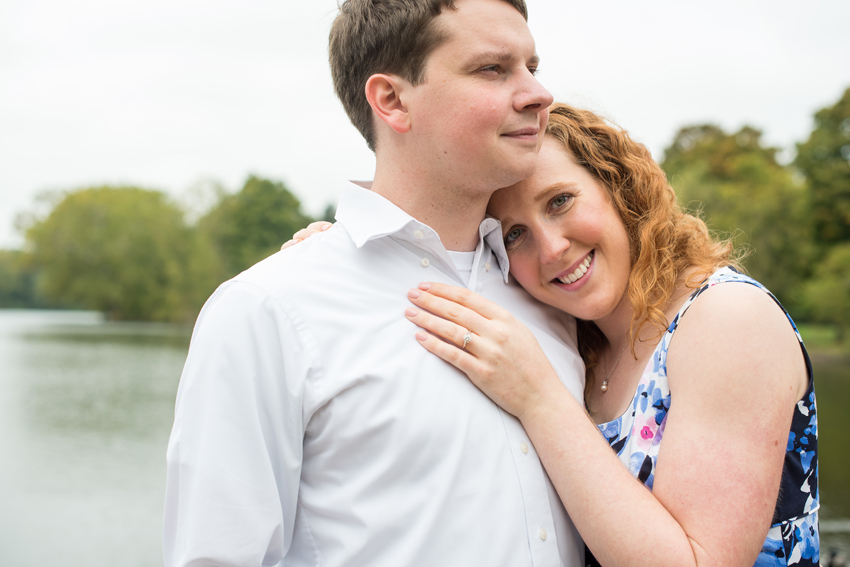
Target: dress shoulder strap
725,275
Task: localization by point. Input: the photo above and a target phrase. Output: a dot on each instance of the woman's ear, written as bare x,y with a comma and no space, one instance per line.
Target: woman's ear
384,93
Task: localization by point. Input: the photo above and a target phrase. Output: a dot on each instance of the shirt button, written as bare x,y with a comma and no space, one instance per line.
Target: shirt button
524,448
418,234
487,266
426,262
543,534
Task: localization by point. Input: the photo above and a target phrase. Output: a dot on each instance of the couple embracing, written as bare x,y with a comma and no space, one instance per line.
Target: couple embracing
476,364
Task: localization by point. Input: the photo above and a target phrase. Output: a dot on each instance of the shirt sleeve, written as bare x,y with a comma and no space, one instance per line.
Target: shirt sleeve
235,452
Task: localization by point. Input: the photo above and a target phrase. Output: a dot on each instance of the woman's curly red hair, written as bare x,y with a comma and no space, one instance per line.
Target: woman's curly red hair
664,239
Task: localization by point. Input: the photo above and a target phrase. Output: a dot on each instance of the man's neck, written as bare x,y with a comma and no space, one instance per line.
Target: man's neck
453,211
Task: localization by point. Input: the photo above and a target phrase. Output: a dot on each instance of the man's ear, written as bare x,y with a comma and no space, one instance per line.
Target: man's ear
384,93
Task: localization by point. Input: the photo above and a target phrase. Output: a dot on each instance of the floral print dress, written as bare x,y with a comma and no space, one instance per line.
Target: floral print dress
636,437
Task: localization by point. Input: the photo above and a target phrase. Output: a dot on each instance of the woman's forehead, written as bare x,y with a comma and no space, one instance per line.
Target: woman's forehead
555,168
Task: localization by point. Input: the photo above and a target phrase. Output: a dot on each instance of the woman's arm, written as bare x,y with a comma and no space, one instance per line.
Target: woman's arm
735,373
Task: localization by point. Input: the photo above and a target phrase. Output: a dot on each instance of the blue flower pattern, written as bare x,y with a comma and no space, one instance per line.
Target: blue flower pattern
636,436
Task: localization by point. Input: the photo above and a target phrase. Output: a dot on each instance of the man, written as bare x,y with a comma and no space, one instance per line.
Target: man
311,428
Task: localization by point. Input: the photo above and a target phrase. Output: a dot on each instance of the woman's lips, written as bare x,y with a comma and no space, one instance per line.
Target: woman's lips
576,272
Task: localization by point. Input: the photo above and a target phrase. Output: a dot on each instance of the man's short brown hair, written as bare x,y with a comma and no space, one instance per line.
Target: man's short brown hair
384,36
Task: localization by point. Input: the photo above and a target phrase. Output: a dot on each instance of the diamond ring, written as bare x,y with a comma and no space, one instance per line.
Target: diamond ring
466,339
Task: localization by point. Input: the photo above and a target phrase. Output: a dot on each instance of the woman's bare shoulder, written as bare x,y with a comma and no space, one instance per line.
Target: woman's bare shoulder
738,333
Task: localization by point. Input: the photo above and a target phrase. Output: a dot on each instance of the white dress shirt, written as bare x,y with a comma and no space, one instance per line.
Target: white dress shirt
311,428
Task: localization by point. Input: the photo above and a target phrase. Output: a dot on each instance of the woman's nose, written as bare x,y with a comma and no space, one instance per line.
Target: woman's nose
552,247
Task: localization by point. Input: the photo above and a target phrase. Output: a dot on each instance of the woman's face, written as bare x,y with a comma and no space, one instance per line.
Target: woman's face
566,243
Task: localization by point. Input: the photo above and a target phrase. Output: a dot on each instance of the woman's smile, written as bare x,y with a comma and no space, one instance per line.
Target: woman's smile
574,276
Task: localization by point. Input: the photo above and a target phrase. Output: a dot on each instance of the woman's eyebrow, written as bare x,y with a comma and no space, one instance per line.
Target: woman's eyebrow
543,195
554,187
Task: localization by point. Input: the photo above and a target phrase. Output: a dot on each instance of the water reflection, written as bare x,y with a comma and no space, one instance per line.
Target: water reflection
119,386
85,412
832,381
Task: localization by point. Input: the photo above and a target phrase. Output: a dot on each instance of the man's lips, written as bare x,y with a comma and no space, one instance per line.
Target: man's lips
529,133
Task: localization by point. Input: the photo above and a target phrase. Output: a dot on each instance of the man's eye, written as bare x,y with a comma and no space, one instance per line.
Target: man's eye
532,70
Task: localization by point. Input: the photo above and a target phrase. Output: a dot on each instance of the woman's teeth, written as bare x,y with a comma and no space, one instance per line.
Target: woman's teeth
579,273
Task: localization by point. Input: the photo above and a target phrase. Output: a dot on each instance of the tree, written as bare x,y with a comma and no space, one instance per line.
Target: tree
743,191
124,251
253,223
825,160
330,213
17,283
827,293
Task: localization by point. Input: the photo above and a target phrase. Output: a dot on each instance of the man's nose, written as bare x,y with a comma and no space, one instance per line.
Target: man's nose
533,95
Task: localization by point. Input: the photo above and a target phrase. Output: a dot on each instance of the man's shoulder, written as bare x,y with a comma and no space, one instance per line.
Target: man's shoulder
284,285
300,267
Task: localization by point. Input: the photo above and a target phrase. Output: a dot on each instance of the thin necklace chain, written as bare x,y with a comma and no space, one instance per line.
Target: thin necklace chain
604,386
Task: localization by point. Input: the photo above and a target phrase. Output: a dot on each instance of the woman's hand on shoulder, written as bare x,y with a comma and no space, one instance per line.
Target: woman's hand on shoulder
499,354
305,233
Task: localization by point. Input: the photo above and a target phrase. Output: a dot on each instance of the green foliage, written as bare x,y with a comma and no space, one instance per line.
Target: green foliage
130,253
330,213
17,282
252,224
825,160
743,191
827,293
124,251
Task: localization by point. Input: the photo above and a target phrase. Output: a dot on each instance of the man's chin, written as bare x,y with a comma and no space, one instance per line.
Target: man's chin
522,171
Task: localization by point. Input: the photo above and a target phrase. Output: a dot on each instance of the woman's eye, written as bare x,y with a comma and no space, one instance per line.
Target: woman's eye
560,201
512,236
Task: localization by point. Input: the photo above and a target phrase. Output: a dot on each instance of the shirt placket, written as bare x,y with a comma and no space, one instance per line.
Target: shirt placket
532,478
423,242
539,523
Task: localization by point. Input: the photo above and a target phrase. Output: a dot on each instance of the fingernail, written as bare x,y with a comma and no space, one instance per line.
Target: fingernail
296,240
410,312
425,286
327,226
413,294
420,336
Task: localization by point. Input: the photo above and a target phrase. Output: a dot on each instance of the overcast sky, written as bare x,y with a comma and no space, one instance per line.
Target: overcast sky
168,94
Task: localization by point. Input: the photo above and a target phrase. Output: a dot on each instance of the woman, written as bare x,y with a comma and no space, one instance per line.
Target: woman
596,232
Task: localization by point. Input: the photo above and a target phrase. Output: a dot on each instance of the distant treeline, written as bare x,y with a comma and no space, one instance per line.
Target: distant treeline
132,253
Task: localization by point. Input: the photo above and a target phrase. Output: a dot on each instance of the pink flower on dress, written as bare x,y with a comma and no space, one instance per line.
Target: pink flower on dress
644,428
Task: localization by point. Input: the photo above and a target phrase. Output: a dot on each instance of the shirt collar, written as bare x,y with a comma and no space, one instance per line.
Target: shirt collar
366,216
490,230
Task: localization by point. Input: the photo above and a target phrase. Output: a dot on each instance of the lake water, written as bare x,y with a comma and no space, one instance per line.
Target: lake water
85,413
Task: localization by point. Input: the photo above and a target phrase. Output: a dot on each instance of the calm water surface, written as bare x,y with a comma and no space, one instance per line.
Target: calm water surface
85,412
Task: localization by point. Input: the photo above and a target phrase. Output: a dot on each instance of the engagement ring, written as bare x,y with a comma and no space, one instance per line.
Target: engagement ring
466,339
